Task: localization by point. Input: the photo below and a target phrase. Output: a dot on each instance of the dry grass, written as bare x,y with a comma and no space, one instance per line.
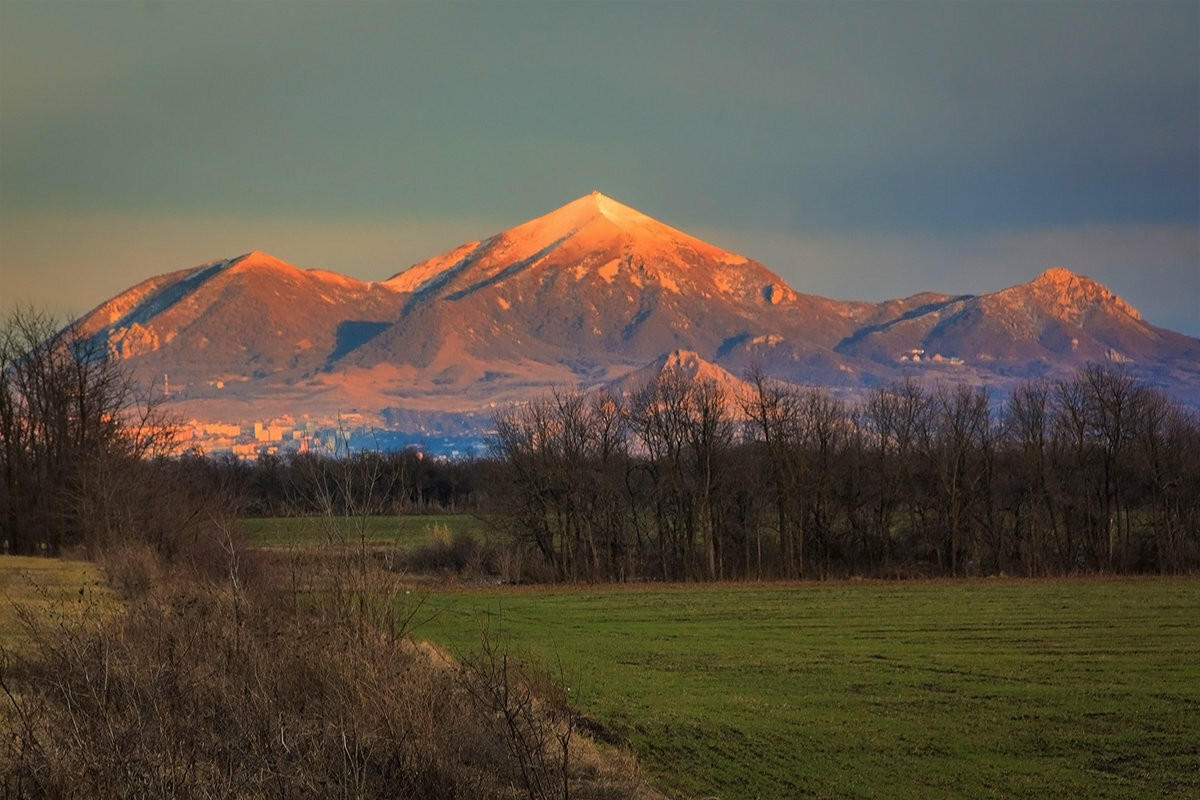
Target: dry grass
219,677
46,588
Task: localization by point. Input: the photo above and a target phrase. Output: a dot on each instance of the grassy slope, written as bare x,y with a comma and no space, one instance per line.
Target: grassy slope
946,689
402,531
47,587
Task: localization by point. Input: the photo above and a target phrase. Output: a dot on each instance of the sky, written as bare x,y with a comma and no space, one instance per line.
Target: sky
861,150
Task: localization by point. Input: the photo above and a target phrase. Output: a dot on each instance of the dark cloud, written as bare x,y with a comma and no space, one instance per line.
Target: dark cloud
846,118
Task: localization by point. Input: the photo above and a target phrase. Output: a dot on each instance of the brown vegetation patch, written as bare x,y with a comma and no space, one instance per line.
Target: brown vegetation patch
225,681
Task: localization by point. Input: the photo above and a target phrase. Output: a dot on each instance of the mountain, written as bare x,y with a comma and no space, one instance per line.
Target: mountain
1059,320
241,331
588,292
683,363
593,293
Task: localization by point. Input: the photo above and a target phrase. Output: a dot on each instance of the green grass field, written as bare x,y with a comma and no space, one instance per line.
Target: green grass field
979,688
1078,688
398,531
48,588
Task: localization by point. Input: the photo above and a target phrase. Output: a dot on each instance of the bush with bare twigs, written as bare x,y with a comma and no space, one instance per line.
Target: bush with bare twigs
274,682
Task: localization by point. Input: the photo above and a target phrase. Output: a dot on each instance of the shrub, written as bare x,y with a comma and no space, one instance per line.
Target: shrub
246,687
459,554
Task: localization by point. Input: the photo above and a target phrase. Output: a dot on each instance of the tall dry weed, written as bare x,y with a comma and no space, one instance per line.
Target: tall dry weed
279,680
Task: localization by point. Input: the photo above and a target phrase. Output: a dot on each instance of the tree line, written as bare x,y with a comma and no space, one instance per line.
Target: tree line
686,481
89,460
364,482
683,480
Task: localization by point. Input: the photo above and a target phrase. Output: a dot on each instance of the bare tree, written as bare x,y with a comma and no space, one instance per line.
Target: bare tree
1091,472
73,429
1027,424
773,411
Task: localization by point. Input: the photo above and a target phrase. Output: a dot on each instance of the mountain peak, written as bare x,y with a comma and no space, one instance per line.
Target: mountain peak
587,211
622,249
1068,294
612,210
690,364
256,259
596,223
1057,276
680,363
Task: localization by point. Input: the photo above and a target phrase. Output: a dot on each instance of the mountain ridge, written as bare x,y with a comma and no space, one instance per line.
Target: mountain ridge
586,294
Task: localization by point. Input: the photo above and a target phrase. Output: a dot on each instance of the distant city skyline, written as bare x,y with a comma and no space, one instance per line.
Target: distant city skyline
861,150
